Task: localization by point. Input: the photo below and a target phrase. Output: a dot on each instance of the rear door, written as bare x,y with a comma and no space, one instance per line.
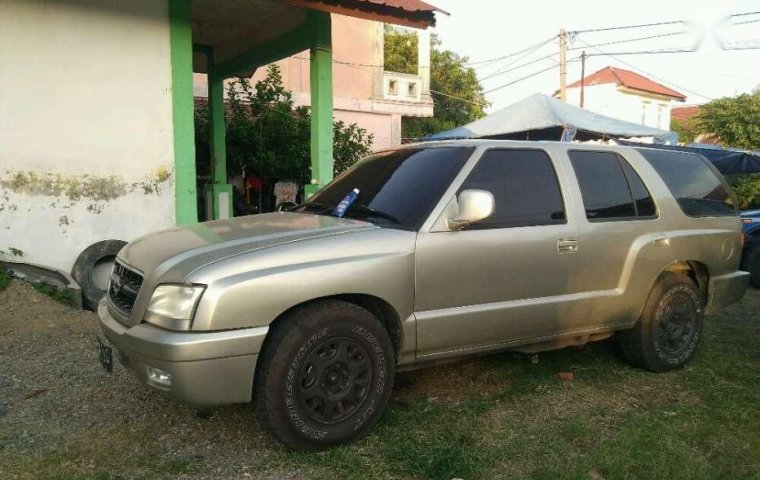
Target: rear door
618,233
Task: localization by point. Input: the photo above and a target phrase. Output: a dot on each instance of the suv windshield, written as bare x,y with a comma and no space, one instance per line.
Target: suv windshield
397,188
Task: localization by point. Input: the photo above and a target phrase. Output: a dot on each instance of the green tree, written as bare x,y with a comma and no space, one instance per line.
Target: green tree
735,120
457,93
268,136
684,129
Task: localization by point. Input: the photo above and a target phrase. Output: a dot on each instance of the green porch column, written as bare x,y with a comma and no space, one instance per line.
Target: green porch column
321,102
181,44
218,193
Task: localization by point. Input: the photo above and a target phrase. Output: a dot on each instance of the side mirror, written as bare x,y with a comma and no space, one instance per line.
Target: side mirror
474,205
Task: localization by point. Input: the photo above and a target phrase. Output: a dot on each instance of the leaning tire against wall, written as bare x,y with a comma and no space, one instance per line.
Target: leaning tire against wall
84,268
324,375
667,334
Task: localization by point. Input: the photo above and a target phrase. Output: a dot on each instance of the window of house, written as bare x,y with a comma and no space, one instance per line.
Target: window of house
610,188
694,182
644,106
392,87
412,89
524,185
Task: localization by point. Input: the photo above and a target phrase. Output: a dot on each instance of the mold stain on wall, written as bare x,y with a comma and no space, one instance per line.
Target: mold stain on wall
97,190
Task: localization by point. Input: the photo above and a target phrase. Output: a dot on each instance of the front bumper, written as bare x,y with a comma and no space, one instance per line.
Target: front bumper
725,290
207,368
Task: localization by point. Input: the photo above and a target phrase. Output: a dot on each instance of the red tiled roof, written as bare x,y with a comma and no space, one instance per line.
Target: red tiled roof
629,79
684,113
411,13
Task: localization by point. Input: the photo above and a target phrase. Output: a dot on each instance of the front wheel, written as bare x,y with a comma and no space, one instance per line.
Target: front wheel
667,334
324,375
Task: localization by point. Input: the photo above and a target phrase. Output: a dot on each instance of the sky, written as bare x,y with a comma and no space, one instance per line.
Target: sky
484,30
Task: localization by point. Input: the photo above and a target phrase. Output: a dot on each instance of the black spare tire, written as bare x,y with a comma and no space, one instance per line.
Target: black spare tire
91,270
324,375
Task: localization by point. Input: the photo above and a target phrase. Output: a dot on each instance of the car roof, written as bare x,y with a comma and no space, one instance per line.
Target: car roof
513,143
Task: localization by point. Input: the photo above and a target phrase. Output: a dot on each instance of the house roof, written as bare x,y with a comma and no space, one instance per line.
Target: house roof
411,13
684,113
629,79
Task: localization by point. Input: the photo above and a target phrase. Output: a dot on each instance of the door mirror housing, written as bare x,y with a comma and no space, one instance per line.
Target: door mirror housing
474,206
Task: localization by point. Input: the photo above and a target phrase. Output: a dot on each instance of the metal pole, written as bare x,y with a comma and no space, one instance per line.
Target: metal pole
563,65
583,76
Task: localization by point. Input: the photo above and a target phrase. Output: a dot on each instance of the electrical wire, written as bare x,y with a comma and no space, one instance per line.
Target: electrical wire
529,49
629,40
518,67
627,27
527,77
458,98
644,52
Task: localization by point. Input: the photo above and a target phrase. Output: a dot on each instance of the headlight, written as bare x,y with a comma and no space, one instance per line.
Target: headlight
173,306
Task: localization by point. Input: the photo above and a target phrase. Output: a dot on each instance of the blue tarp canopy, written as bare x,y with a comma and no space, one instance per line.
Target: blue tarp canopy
540,117
728,161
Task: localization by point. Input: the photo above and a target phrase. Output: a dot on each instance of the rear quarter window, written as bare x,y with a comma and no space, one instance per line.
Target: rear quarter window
696,185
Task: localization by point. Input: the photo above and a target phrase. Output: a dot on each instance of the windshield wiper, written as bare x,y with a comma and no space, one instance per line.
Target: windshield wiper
371,212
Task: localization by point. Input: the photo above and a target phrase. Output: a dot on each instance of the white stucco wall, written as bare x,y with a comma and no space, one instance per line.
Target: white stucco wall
86,142
608,99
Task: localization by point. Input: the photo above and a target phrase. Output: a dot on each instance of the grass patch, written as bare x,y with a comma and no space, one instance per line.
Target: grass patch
511,418
5,278
495,417
63,296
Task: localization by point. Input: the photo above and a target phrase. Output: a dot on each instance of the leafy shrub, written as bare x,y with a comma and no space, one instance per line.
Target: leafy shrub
269,136
746,190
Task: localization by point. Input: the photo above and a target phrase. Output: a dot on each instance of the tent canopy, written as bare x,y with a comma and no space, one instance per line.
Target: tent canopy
540,117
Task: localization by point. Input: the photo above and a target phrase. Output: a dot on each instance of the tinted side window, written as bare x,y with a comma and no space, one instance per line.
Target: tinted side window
603,185
524,185
641,196
694,183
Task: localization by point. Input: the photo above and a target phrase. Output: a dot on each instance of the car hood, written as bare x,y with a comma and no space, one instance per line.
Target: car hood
184,249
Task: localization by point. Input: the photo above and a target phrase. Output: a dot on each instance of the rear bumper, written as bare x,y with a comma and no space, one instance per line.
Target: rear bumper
725,290
206,368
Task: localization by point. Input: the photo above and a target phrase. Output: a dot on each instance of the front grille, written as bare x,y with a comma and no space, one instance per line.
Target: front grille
123,287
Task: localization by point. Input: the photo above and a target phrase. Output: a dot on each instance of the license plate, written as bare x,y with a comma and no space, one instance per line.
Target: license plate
105,354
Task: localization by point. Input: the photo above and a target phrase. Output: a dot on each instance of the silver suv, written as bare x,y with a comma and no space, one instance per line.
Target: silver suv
426,253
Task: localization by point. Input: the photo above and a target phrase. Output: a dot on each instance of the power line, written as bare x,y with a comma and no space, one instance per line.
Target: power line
458,98
529,49
525,77
627,27
506,68
644,52
629,40
744,14
501,72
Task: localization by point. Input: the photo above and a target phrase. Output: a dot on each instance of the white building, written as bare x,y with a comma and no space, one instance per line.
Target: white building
97,136
625,95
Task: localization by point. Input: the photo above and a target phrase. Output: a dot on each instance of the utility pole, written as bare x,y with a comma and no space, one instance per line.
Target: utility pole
583,75
563,65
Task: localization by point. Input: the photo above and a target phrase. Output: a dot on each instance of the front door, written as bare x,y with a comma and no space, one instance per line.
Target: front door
507,278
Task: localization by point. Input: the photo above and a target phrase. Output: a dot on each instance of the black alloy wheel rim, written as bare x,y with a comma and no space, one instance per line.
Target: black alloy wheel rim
334,380
677,325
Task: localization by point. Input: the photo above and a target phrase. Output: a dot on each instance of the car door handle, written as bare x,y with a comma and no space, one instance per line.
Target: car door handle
567,245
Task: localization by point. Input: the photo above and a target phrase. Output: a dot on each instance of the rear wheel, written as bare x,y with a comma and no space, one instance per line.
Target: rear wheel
667,334
324,375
